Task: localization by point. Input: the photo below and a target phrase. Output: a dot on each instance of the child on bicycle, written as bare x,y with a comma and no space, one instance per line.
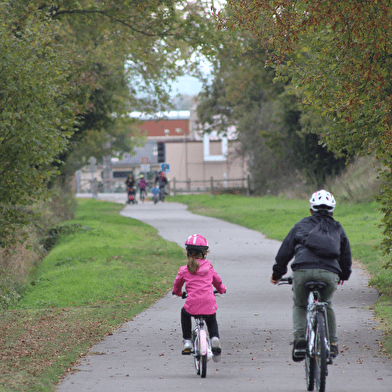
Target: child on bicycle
199,277
322,253
155,193
142,185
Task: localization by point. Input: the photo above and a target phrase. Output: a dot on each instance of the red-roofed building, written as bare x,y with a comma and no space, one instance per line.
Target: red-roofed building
174,138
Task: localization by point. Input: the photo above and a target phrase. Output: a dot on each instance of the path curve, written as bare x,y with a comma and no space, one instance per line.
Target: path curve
254,320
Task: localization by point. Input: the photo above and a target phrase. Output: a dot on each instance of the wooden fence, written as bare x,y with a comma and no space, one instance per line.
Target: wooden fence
241,185
212,185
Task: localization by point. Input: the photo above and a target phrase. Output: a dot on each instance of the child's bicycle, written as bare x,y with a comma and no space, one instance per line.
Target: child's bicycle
155,194
202,351
318,351
143,194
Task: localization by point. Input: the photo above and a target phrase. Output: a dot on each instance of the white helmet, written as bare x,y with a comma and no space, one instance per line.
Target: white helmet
322,200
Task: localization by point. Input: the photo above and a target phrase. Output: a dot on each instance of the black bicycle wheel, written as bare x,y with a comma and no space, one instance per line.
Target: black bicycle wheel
309,369
320,368
197,364
203,365
196,353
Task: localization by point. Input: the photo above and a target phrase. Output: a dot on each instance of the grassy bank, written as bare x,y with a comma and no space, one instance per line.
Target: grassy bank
275,216
104,270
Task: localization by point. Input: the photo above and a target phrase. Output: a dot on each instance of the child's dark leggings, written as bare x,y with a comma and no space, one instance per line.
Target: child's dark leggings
186,323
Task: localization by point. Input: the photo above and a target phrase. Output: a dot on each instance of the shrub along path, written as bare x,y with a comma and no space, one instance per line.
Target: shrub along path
254,319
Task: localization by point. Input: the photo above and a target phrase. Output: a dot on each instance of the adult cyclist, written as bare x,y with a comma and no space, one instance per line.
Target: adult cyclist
161,181
322,253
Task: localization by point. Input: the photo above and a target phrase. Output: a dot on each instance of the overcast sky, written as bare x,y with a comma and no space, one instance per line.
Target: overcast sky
189,85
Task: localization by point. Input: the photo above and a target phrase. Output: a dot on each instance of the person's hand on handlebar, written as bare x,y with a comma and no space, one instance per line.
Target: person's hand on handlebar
273,281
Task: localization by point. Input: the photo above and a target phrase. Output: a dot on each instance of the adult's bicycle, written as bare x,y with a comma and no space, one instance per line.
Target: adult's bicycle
162,194
318,346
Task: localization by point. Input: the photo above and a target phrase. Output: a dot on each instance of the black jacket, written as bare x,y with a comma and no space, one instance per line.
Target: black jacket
294,245
160,180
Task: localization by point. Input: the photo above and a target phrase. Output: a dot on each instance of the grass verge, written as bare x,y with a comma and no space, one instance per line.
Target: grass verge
275,216
100,274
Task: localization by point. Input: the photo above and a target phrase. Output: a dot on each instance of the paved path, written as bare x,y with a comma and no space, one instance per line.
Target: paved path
254,320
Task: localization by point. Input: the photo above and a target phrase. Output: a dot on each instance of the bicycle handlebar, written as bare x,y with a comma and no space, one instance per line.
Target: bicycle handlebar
288,280
184,294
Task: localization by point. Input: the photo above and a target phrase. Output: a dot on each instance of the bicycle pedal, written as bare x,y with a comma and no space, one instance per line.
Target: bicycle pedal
186,352
299,355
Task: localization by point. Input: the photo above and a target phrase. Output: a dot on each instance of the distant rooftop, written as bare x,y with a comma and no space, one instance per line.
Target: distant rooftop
168,115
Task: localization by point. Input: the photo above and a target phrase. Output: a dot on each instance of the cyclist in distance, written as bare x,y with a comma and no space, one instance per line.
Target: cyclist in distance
161,181
199,277
130,183
142,185
322,253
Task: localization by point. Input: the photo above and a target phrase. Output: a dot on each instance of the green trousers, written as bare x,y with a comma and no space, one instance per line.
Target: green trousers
300,277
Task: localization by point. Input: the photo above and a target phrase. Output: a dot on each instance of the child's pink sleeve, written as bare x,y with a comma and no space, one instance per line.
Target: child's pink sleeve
178,283
217,282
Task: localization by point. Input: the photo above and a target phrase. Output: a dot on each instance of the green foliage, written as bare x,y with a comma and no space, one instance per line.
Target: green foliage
336,55
268,121
34,124
385,199
71,71
9,294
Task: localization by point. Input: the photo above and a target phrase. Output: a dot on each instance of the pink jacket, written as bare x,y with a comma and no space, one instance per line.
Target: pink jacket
201,299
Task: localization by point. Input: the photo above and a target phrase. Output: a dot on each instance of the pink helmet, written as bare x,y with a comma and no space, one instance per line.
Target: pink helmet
322,200
196,242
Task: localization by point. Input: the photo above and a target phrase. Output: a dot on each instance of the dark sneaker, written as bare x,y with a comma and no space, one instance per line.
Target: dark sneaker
299,349
334,351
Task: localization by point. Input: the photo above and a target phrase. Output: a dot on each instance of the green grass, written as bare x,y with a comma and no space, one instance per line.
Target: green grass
275,216
106,268
98,276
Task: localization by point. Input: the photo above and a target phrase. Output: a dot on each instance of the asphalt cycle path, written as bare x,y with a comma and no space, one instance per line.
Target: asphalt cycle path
254,319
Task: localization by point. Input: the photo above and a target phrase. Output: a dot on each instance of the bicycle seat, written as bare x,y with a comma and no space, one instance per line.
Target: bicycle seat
315,286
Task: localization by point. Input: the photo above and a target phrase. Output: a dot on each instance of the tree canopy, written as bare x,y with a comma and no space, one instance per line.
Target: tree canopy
337,56
267,118
71,70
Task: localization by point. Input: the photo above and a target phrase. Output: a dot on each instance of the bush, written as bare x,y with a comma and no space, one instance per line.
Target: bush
18,260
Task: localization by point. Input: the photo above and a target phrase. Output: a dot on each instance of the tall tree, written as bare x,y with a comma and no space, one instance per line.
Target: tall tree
243,93
34,123
337,55
66,66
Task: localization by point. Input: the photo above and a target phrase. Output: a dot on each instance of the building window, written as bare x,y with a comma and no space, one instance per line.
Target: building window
206,148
